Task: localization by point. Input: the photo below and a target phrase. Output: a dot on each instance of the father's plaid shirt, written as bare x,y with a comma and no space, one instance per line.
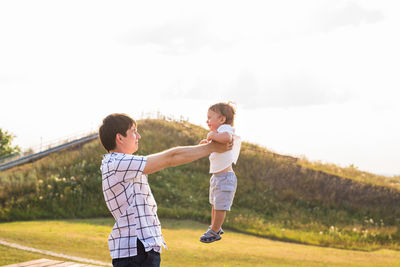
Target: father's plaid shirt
129,199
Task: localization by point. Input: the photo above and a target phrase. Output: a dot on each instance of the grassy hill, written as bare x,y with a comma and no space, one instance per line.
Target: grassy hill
278,196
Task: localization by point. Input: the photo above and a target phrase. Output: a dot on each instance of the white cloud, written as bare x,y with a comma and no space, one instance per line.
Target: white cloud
11,79
341,14
289,64
175,37
287,91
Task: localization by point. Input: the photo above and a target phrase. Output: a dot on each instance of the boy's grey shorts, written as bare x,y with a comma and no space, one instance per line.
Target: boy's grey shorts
222,190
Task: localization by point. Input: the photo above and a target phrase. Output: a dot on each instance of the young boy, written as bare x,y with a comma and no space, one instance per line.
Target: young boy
136,238
223,182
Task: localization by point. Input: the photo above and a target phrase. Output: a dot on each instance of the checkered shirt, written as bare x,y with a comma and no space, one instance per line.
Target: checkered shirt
128,197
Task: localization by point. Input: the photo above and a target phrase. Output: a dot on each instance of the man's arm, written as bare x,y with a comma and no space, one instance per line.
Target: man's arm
224,137
181,155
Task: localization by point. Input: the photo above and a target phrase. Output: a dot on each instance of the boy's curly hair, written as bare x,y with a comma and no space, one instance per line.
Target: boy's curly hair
225,109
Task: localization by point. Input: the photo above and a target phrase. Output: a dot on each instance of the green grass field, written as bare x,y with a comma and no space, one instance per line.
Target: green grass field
13,255
88,238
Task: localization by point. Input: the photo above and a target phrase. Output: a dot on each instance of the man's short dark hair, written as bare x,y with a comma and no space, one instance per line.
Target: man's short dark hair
112,125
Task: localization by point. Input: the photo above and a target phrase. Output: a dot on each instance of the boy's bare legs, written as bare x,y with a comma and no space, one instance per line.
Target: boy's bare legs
215,231
212,214
219,217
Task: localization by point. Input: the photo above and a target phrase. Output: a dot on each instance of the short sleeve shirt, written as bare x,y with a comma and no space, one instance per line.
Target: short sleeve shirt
220,161
129,198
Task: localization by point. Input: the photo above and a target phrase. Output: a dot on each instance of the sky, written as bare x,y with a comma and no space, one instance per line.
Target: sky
315,78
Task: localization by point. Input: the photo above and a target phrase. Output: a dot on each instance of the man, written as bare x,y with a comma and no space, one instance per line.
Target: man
136,238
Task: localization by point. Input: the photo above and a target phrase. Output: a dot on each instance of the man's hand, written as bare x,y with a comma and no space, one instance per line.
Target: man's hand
221,147
204,141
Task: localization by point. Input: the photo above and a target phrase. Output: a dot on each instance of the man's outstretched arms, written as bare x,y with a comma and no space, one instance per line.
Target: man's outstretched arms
181,155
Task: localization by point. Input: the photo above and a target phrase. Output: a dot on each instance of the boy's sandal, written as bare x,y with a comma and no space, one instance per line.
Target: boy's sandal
221,232
210,236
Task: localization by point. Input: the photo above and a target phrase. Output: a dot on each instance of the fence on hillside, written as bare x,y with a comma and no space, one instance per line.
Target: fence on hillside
43,150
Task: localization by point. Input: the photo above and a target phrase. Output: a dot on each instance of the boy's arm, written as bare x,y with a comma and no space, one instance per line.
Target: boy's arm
181,155
224,137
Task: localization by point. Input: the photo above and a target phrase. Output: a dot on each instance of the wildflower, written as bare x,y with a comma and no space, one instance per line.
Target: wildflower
365,233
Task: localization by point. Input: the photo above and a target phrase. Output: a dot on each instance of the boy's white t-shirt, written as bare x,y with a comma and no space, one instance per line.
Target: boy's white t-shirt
220,161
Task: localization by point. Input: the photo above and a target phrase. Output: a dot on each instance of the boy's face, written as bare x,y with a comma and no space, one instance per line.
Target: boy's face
214,120
130,142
